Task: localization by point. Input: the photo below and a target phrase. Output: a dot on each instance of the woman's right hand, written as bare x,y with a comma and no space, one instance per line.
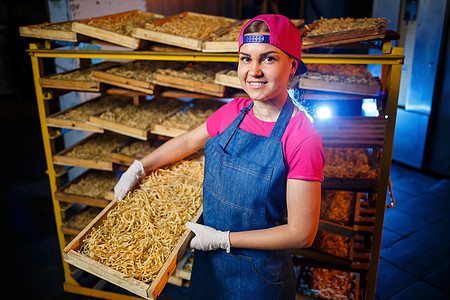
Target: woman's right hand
128,179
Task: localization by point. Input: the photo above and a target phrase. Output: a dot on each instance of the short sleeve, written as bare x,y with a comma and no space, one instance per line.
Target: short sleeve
308,160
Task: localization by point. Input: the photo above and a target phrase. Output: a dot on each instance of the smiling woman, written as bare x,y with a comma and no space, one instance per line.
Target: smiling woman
262,177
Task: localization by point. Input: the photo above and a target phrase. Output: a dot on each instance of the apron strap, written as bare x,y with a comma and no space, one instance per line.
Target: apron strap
283,120
229,132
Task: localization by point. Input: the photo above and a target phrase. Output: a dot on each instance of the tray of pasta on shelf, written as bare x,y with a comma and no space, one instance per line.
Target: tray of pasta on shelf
78,222
194,77
351,168
117,28
137,242
60,31
363,132
137,120
185,30
227,39
126,154
345,213
228,77
90,188
340,78
78,80
188,119
134,75
327,284
332,248
330,32
77,117
93,152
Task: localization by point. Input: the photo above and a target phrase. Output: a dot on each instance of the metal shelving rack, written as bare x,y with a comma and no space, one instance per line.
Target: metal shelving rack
391,60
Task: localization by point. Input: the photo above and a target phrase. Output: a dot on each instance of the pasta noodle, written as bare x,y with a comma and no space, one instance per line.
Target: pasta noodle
140,232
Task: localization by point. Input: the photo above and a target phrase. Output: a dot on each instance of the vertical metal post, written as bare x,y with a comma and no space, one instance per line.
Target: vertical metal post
37,68
393,74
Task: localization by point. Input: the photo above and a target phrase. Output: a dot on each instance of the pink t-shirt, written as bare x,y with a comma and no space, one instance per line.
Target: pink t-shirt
302,145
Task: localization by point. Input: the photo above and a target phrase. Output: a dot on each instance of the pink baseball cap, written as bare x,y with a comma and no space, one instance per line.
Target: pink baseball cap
283,35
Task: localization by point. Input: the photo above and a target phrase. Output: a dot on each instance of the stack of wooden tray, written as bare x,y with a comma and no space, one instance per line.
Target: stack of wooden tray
117,28
179,30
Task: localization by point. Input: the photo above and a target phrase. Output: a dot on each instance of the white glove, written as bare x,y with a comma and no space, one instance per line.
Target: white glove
207,238
128,179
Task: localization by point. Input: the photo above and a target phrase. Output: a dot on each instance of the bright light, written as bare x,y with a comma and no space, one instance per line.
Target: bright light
369,108
323,112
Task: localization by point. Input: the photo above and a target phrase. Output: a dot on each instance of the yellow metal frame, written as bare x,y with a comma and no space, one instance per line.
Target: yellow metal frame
391,61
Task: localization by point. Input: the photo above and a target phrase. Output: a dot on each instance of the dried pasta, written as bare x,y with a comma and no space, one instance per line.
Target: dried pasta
93,184
336,25
83,74
337,206
321,283
348,163
204,72
140,232
82,112
98,147
142,116
191,26
124,24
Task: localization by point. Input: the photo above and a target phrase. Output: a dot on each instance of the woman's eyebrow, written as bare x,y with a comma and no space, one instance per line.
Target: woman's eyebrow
261,54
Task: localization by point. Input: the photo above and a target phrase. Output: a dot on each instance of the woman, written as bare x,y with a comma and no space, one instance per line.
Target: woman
263,169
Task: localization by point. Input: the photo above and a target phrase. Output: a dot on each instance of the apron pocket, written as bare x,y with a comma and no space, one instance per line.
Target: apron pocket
248,280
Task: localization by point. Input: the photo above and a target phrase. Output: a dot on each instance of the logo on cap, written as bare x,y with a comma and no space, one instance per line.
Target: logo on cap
256,39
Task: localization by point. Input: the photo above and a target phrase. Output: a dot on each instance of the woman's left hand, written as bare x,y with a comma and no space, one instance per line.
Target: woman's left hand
207,238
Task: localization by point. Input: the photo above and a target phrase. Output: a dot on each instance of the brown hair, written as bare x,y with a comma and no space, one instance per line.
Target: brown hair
257,26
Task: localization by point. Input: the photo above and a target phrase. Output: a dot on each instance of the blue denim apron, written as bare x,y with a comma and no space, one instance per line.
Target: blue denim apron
244,188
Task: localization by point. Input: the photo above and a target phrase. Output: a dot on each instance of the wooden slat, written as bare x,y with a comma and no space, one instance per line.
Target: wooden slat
41,32
110,36
216,90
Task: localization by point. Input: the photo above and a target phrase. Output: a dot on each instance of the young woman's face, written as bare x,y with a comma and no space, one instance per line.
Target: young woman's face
264,71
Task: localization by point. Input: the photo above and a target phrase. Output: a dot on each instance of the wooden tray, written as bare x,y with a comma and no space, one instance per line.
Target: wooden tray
61,157
224,78
135,132
345,37
361,217
60,31
87,84
64,196
352,131
304,280
191,84
172,38
215,44
120,158
146,86
87,213
111,36
147,291
176,129
56,121
339,87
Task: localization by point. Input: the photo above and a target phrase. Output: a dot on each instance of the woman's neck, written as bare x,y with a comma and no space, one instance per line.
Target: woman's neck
268,110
